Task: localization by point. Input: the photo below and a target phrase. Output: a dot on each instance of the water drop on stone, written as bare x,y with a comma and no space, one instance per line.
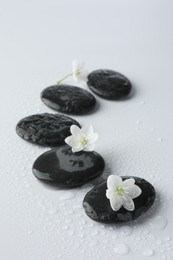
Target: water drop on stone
148,252
122,249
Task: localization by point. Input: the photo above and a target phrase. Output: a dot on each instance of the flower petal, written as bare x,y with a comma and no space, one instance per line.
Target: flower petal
114,181
76,149
71,140
75,130
134,191
93,139
75,78
89,147
77,65
83,74
129,182
116,203
110,193
87,130
74,65
128,203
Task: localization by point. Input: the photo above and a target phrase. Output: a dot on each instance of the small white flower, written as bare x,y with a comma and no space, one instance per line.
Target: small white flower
121,193
79,72
82,138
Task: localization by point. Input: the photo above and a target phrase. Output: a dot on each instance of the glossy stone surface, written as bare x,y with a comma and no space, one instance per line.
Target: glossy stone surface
109,84
66,169
45,129
98,208
68,99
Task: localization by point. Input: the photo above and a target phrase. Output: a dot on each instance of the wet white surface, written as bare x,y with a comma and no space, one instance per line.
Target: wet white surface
39,39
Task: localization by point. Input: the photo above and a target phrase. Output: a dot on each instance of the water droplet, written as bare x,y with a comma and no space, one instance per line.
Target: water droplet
71,233
76,246
83,222
142,103
159,223
122,249
71,212
67,195
111,228
93,243
94,233
52,211
162,250
30,232
126,230
160,139
159,242
27,185
68,221
65,227
148,252
168,238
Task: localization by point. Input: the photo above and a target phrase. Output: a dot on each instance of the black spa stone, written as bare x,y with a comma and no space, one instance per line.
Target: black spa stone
97,206
109,84
45,129
68,99
63,168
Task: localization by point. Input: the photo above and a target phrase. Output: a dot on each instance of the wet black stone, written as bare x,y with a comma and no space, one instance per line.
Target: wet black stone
45,129
98,208
109,84
68,99
66,169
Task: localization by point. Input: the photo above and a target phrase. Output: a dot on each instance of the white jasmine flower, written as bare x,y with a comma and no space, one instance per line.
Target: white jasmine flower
79,71
121,193
82,138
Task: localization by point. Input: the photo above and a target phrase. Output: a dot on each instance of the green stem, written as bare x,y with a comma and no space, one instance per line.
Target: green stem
65,77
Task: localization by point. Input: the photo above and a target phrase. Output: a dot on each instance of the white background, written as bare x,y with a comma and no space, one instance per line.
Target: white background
39,40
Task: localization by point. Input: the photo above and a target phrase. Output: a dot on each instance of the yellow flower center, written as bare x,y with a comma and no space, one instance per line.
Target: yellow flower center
83,140
119,191
77,73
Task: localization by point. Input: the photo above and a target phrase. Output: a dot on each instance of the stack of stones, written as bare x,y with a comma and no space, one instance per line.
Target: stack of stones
60,166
